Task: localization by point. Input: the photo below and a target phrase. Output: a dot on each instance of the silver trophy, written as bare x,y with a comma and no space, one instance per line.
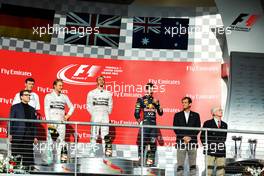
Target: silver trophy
238,143
252,148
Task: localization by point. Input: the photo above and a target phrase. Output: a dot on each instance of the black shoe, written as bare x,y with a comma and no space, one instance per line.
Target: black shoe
150,162
108,156
108,152
33,169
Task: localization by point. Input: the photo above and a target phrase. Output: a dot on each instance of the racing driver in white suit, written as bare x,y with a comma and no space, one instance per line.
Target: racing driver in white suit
54,104
99,105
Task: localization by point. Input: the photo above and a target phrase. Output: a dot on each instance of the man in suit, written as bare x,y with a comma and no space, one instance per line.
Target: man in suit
186,142
23,134
215,146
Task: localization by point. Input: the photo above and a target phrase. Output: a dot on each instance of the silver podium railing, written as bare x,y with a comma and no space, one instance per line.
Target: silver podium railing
141,127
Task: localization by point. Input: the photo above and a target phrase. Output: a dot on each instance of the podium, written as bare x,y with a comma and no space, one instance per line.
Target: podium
99,166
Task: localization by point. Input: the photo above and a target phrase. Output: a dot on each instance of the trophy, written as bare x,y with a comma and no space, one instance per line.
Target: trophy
237,147
53,133
64,154
252,148
150,158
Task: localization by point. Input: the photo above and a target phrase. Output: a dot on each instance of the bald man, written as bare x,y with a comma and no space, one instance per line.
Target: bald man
216,150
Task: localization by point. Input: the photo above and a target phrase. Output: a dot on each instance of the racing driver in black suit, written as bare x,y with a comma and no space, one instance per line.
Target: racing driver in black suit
149,107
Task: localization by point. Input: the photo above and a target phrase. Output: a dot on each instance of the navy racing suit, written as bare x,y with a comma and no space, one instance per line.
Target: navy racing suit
149,107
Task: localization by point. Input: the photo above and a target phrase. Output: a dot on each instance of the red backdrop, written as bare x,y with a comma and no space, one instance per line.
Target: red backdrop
125,78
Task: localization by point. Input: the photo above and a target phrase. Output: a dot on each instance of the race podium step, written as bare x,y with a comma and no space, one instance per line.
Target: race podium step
149,171
111,166
100,166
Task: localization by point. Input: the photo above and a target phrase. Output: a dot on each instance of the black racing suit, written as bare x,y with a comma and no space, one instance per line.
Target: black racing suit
149,108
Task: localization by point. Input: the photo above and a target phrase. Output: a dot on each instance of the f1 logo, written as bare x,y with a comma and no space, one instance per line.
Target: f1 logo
78,74
249,22
90,72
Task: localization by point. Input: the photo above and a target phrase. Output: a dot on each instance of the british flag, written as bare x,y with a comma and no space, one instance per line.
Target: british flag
147,24
92,29
156,33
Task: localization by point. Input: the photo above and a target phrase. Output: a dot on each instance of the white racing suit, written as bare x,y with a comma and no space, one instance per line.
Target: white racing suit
99,105
55,110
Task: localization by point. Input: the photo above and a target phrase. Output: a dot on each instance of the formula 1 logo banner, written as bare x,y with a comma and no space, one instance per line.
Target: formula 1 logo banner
124,78
83,74
244,22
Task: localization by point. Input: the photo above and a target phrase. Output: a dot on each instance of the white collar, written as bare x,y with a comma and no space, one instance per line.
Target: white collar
216,120
187,112
100,90
55,94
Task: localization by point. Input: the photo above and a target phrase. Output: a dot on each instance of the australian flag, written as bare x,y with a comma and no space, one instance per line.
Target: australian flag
92,29
160,33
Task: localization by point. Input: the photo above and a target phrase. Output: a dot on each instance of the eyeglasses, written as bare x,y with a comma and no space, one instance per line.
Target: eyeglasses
27,95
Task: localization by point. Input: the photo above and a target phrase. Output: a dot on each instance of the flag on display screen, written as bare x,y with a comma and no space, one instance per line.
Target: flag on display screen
160,33
93,29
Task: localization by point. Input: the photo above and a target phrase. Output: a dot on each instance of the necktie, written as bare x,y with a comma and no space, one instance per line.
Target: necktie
219,123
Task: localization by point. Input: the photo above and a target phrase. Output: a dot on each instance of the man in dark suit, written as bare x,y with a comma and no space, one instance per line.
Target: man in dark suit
186,142
215,146
23,134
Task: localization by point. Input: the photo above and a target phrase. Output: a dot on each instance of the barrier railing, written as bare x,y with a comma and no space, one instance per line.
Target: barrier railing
50,153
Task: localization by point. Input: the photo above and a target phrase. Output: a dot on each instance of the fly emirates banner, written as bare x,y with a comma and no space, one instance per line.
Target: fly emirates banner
126,80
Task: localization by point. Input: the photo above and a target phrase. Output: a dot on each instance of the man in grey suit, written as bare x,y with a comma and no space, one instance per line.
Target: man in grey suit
23,133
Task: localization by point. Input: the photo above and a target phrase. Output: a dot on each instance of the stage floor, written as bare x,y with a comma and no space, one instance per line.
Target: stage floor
100,166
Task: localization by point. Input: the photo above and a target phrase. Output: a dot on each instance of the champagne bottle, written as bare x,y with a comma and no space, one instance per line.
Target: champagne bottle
64,155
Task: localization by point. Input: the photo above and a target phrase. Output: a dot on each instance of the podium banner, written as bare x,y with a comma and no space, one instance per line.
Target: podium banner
126,79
